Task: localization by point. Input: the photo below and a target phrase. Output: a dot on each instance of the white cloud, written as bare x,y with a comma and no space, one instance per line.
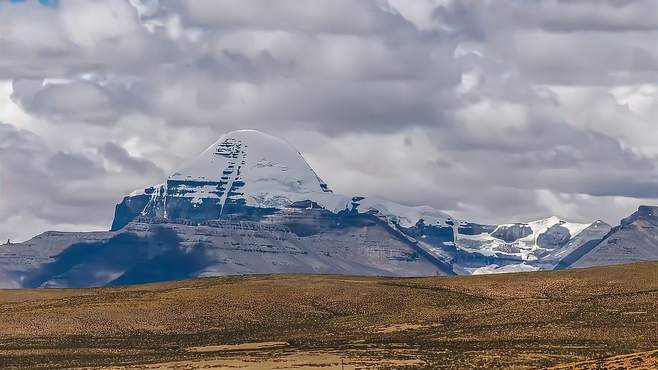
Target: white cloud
492,110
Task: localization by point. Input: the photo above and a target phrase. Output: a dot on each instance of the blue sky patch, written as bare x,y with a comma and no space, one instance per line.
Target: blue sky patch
42,2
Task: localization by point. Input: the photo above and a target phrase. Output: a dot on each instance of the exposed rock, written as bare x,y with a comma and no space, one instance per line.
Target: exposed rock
555,237
579,245
634,240
510,233
251,204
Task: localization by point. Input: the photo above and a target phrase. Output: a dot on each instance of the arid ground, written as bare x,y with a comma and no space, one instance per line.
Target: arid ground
597,318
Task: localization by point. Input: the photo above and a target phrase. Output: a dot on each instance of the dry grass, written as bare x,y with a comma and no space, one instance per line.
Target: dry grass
497,321
637,361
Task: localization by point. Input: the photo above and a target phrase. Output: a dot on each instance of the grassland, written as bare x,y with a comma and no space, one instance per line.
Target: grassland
524,320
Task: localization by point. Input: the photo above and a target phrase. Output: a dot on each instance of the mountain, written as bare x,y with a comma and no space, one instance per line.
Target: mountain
581,244
250,174
635,239
527,246
250,203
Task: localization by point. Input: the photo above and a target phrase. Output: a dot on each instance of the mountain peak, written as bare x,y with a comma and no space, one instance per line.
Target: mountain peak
552,220
648,211
248,164
643,212
253,173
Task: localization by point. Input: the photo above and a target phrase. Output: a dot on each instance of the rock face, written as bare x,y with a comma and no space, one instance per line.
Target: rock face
634,240
245,172
579,245
511,233
250,174
517,247
554,237
19,261
292,241
251,204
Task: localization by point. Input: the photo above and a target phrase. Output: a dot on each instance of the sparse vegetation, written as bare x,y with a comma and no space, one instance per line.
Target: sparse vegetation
521,320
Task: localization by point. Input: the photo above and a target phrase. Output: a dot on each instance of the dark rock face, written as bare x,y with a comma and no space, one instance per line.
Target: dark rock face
648,214
138,259
291,240
129,208
475,229
435,235
18,261
512,233
555,237
166,203
311,221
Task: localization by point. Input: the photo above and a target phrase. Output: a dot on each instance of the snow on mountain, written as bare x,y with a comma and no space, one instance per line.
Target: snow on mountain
248,168
250,203
267,171
253,174
530,242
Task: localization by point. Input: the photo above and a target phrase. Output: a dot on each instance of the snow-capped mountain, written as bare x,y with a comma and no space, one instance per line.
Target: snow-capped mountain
250,203
537,244
248,172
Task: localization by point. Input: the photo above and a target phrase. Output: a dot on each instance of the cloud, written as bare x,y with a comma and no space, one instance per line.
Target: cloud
81,100
491,110
73,37
337,17
564,42
45,186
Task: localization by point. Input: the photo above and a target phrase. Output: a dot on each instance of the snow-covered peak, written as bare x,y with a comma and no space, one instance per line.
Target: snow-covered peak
267,170
254,169
541,226
546,239
538,227
405,216
267,160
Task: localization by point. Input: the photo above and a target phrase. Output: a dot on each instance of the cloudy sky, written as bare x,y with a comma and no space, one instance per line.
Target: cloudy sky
494,111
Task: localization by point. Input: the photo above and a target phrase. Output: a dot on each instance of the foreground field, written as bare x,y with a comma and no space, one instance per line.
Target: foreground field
523,320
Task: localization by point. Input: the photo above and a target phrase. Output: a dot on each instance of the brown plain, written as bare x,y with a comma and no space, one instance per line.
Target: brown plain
526,320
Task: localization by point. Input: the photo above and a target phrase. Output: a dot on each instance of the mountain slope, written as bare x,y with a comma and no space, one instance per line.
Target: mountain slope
580,245
251,204
635,239
251,174
147,250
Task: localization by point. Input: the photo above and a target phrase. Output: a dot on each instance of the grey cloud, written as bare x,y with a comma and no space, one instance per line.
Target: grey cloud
611,15
73,166
17,141
472,18
552,156
73,101
502,111
338,16
574,42
129,163
75,37
62,188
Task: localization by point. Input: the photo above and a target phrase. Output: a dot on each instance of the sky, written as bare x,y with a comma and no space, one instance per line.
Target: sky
493,111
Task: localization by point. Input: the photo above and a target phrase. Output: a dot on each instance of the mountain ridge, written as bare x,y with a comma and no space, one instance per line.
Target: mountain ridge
250,203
